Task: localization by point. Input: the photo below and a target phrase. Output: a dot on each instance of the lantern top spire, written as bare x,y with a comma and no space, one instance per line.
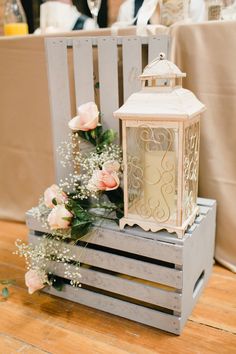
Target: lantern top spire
160,68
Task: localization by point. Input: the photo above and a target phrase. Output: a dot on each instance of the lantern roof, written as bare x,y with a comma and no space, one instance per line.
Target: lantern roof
158,99
177,103
161,68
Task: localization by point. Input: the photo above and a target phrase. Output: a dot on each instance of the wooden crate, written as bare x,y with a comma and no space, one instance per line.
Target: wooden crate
151,278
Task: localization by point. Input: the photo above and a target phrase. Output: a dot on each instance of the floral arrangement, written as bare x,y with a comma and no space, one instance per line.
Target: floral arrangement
90,194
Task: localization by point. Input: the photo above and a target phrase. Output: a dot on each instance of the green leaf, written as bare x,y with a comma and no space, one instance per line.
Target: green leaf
116,196
96,85
67,218
93,133
54,201
5,293
80,228
58,283
107,137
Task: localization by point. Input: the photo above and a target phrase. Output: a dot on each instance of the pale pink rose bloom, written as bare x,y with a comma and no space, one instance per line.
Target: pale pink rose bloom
87,118
34,281
54,192
111,166
56,218
104,181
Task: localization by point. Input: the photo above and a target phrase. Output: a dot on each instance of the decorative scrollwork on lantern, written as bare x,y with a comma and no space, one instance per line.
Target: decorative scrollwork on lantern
191,162
151,171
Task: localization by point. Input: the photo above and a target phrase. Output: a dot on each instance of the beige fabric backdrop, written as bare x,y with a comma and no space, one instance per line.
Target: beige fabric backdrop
207,53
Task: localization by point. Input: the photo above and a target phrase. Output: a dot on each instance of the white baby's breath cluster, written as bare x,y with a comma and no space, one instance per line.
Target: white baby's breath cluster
77,182
49,256
69,151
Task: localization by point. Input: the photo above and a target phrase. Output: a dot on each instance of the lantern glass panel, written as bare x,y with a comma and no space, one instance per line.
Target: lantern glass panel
152,173
191,163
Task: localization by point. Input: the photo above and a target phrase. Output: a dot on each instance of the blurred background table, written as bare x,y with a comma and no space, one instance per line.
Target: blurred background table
205,51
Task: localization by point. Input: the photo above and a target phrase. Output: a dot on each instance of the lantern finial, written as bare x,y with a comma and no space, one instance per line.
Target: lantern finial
161,68
162,56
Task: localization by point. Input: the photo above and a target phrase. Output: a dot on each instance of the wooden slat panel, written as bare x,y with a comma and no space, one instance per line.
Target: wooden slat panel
132,65
83,70
108,81
121,308
59,92
124,265
119,285
137,232
110,236
157,44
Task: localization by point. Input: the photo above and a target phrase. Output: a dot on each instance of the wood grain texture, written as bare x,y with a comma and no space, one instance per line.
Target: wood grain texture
48,324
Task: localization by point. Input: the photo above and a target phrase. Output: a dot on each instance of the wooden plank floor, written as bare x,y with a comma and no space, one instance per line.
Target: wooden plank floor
41,323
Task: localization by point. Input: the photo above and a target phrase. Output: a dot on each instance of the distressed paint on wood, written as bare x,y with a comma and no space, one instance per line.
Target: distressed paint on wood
83,70
132,65
121,308
59,93
124,265
124,241
108,81
130,287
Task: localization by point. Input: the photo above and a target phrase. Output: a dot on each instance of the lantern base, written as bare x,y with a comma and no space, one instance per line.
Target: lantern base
154,227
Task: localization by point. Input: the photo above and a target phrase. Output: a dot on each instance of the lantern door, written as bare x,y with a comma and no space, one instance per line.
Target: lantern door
151,152
190,168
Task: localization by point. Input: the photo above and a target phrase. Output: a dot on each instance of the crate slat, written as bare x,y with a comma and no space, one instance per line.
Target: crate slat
59,93
132,65
108,81
83,70
121,308
127,287
124,265
120,240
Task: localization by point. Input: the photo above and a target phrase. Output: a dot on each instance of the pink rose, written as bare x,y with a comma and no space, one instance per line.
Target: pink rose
34,281
87,118
54,192
104,181
59,217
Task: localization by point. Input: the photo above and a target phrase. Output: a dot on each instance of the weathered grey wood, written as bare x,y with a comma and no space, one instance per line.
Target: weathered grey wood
198,257
132,65
156,45
83,70
125,242
108,81
59,93
121,308
136,268
134,239
130,288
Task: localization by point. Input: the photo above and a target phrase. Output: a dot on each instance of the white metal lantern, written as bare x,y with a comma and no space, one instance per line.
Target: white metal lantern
161,132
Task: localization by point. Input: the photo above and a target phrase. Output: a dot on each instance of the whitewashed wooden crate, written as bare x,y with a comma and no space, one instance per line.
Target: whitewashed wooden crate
151,278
